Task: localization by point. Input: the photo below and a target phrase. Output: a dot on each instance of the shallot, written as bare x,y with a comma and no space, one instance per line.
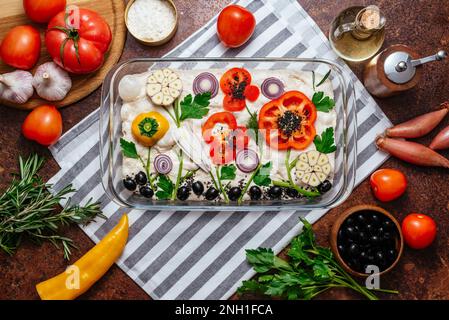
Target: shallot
51,82
441,141
412,152
419,126
16,87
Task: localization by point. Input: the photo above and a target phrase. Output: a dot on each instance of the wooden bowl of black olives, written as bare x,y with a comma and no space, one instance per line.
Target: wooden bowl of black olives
366,236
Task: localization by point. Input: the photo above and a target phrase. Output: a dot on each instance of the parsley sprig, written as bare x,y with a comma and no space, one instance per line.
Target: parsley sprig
309,271
322,103
325,143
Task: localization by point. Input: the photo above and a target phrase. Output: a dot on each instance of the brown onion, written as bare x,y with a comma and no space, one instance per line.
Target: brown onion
419,126
441,141
412,152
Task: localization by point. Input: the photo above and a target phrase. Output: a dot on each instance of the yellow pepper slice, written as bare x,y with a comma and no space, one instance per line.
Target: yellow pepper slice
80,276
148,128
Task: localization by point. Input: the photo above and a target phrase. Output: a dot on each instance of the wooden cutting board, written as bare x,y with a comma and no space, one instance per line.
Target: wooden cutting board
12,14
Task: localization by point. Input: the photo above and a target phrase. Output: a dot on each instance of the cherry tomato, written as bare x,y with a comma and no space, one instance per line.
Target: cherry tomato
289,121
21,47
235,25
43,10
43,125
419,230
78,49
388,184
252,93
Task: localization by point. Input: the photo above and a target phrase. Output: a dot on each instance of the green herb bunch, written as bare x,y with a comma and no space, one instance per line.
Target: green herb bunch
310,271
27,208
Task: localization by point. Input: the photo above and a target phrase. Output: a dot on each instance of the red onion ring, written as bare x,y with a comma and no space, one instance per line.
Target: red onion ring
247,160
267,88
206,82
163,164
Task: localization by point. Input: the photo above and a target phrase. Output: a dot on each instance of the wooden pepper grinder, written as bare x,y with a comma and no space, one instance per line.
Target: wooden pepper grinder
395,70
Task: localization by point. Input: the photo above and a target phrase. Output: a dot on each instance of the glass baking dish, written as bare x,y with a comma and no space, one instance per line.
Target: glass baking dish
110,130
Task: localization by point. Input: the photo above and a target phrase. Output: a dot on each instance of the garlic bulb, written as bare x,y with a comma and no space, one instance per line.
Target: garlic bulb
131,87
16,87
51,82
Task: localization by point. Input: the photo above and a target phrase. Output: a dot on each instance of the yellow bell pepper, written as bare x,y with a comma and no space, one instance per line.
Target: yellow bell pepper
148,128
80,276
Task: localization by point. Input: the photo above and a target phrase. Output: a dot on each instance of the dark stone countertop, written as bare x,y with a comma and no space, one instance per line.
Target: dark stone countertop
419,275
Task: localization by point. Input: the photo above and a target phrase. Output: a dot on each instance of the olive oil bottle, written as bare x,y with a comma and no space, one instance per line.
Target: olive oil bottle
358,33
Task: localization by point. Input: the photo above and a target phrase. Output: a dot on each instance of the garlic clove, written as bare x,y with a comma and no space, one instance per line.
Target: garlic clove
51,82
16,87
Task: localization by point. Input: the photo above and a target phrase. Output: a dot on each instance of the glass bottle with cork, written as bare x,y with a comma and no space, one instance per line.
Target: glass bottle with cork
358,32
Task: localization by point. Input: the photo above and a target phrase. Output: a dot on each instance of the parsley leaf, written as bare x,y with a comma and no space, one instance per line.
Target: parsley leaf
262,177
322,103
228,172
325,143
310,270
129,149
166,187
195,108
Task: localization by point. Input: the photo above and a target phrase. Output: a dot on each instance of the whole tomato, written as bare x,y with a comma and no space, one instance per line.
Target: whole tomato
41,11
235,25
43,125
78,44
388,184
419,230
21,47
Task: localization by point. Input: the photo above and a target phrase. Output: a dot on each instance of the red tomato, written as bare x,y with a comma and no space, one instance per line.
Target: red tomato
43,125
78,50
21,47
289,121
388,184
419,230
43,10
235,25
252,93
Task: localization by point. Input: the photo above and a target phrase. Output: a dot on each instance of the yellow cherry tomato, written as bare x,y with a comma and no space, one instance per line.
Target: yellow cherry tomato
149,128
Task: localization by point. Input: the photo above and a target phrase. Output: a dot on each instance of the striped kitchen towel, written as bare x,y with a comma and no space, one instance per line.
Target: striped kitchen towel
200,255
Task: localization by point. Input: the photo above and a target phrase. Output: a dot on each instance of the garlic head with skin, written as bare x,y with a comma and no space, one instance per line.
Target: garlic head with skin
51,82
16,87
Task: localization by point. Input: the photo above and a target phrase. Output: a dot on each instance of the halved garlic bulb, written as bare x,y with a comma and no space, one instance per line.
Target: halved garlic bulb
164,86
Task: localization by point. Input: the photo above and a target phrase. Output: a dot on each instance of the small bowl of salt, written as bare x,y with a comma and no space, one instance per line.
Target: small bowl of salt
151,22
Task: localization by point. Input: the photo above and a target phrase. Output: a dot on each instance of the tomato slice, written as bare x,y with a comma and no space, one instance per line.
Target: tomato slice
252,93
233,80
231,104
225,118
288,122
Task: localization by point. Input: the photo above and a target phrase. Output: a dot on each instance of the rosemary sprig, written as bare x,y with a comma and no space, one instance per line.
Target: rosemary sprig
27,208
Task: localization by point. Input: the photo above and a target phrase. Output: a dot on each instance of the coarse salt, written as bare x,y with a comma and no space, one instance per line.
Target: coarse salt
151,20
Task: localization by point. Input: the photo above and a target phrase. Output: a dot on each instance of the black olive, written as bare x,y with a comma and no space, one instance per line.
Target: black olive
183,193
292,193
198,188
363,237
375,218
360,218
341,249
387,236
325,186
391,254
234,193
211,193
388,225
255,193
374,239
369,228
349,221
363,256
141,178
146,191
380,256
340,236
349,232
129,184
354,250
275,192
